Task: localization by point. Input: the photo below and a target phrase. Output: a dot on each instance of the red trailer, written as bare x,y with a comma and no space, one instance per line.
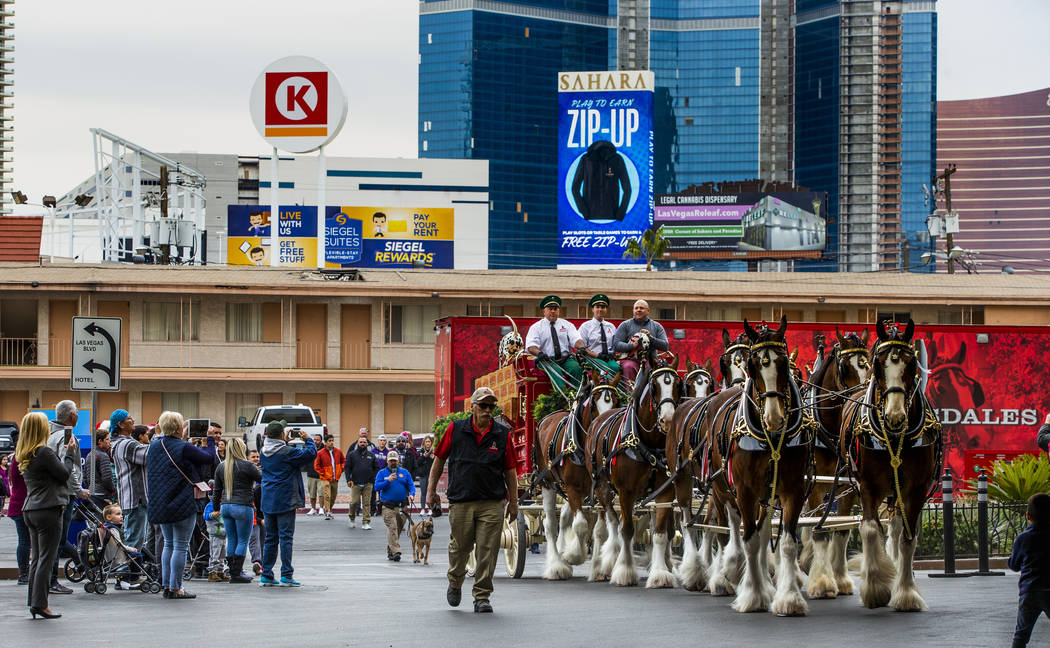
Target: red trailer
990,385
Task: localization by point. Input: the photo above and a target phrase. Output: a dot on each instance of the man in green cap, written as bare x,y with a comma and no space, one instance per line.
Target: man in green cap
552,340
597,334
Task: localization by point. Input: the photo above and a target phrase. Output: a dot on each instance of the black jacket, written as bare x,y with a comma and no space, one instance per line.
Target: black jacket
426,460
596,186
46,478
245,476
1042,438
360,466
475,470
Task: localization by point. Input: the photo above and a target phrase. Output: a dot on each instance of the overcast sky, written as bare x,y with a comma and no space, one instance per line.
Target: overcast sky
176,76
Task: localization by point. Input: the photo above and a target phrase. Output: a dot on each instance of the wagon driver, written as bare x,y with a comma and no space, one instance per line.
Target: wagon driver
598,333
626,342
554,339
481,475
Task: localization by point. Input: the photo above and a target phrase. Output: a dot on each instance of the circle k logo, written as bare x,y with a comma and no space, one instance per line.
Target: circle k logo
296,98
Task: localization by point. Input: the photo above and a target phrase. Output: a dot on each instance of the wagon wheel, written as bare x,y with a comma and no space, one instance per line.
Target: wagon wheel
514,543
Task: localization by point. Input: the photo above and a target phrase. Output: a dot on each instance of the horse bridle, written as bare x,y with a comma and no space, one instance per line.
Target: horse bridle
908,397
730,350
602,388
699,371
658,372
782,347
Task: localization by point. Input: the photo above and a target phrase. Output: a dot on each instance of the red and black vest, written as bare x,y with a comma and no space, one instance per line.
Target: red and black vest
475,470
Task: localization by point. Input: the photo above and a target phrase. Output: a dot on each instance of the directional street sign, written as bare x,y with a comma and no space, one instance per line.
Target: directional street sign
96,354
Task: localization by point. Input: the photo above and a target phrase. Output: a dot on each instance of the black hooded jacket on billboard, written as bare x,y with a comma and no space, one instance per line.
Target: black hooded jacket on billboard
596,186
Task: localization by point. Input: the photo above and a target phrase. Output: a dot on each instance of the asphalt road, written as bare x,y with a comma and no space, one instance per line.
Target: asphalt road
353,596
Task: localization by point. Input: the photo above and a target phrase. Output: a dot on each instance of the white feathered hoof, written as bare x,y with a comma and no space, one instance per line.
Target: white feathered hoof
821,587
660,579
908,600
597,575
844,586
874,594
623,576
789,604
557,570
750,601
690,575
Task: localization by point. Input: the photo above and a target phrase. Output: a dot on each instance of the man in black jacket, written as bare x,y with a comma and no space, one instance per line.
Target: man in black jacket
360,471
481,479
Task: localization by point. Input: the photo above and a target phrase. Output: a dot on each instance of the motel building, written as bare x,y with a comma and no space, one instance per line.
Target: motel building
218,342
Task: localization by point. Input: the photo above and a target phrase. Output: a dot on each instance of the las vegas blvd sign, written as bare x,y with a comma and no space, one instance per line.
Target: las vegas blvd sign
297,104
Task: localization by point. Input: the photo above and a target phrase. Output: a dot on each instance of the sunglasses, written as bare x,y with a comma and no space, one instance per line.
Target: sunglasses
487,406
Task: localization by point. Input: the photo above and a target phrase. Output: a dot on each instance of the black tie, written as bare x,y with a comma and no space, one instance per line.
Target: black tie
554,338
605,341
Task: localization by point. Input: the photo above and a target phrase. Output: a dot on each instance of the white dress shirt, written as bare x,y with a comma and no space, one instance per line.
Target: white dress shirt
591,333
539,335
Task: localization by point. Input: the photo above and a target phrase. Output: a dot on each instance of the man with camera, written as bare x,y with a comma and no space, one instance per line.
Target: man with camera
282,494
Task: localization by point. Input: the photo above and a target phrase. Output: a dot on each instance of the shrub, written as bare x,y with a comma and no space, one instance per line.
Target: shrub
1013,482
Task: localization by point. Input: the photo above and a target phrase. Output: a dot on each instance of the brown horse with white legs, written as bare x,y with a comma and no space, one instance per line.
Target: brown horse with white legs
757,435
626,447
843,374
893,443
561,466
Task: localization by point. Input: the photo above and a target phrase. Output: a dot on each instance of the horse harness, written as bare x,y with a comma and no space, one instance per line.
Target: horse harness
627,439
874,434
732,348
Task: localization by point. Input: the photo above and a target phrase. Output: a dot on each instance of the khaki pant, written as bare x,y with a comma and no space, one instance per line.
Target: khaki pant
331,490
395,519
360,496
474,523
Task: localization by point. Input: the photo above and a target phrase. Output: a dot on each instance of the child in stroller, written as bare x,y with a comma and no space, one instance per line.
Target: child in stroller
104,554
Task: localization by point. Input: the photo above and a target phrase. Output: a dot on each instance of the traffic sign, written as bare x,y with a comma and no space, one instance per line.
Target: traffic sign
96,354
297,104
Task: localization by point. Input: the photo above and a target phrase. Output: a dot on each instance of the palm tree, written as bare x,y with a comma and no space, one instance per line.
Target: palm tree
650,245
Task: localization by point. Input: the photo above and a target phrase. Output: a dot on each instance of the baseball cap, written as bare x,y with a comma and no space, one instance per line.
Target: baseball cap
275,426
482,394
393,455
382,437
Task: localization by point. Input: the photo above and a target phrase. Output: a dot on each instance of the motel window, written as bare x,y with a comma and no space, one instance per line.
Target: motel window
171,321
418,414
244,322
410,324
185,403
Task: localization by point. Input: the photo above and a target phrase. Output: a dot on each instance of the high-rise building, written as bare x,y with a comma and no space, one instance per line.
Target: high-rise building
1000,147
7,93
833,95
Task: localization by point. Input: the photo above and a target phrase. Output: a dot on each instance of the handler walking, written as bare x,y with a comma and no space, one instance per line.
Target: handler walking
481,474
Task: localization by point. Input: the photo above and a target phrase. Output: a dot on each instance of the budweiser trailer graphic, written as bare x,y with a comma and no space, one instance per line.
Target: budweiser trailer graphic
986,383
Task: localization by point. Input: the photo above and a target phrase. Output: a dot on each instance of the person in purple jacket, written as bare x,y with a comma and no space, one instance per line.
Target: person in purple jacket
1031,557
16,488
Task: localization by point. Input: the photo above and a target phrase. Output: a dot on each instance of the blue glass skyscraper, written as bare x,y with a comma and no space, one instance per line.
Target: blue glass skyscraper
744,89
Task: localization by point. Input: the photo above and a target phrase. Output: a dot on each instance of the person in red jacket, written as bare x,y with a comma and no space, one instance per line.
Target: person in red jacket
329,466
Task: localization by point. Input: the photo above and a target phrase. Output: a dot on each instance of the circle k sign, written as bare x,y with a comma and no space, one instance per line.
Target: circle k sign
297,104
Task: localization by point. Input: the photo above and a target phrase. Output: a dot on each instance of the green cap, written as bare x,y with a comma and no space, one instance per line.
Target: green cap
275,427
550,300
599,300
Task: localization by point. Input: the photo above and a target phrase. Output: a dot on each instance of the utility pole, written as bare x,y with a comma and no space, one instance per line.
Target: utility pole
950,239
165,255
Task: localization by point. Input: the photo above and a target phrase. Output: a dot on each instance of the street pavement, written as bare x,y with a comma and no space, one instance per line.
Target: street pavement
353,596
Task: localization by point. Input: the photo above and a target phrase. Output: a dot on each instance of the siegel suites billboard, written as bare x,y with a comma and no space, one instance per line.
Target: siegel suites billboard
355,237
744,225
605,163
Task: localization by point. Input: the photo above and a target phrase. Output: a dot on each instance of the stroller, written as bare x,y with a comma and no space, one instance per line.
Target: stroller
101,554
199,554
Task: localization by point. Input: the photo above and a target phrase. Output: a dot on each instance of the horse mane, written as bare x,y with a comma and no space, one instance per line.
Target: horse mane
639,383
817,377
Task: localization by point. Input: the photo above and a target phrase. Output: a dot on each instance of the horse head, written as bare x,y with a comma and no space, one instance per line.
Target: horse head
604,396
769,369
662,387
896,374
852,359
699,381
733,361
950,386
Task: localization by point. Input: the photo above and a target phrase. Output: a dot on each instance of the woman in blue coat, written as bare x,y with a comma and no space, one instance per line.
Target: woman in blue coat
170,495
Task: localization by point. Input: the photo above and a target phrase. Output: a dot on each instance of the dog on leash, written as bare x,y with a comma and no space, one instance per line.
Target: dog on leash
421,533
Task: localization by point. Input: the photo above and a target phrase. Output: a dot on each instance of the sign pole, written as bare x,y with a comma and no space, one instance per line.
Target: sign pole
322,171
93,427
275,211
